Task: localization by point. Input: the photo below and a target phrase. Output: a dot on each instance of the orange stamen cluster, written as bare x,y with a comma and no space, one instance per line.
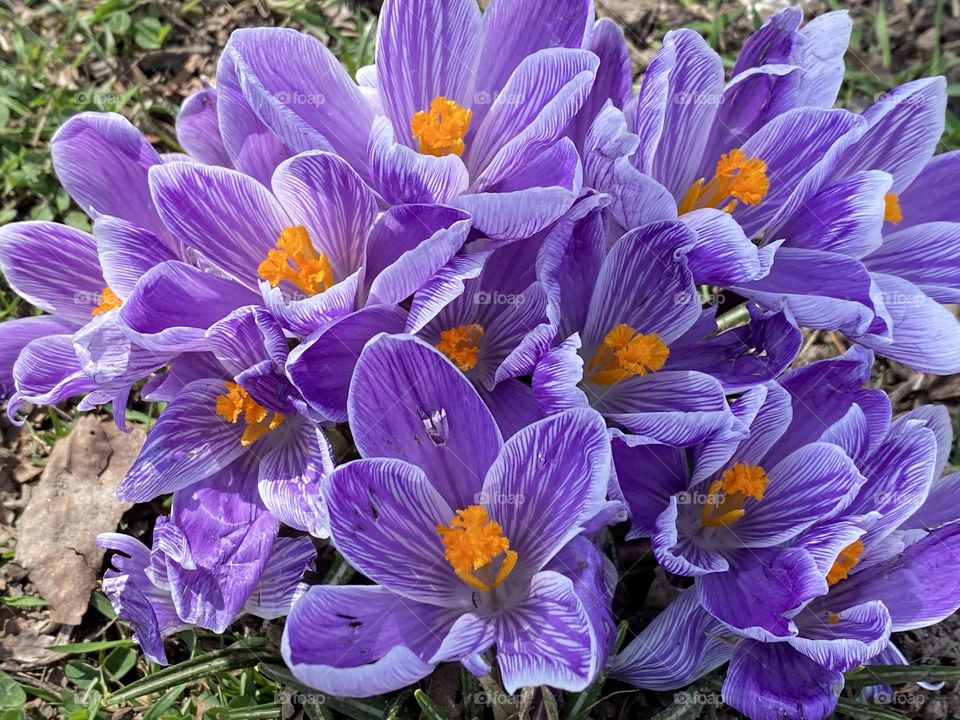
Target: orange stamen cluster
236,403
725,497
108,301
462,345
891,209
472,541
441,129
296,260
845,562
625,353
738,179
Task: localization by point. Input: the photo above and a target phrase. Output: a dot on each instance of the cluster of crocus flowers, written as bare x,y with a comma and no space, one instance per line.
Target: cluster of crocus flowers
542,305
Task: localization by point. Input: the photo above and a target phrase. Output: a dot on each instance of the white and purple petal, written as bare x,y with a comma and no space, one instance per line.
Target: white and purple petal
408,401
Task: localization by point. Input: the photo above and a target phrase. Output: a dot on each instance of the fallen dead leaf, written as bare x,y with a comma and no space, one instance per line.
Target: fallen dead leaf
73,502
24,643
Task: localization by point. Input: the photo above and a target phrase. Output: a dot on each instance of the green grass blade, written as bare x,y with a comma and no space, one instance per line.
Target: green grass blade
899,674
190,671
579,707
431,710
90,647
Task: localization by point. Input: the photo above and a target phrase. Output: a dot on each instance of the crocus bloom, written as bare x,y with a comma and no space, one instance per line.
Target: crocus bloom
312,250
237,416
104,163
636,342
819,188
759,148
882,572
880,579
473,543
142,584
727,517
884,208
241,452
462,108
692,142
497,330
80,280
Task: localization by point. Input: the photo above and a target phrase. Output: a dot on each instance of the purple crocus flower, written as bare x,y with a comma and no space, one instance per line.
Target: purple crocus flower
241,452
759,148
727,515
690,142
497,330
637,344
234,416
881,572
312,250
55,268
884,208
472,543
819,188
463,108
79,348
889,575
142,584
104,163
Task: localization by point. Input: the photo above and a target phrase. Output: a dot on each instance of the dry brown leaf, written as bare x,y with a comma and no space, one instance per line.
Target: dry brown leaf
70,505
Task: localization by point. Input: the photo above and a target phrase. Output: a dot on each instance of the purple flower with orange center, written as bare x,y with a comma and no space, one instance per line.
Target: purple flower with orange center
694,144
497,329
883,207
486,310
637,344
312,249
735,515
479,110
91,151
233,414
79,347
829,193
889,563
81,279
759,147
473,543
